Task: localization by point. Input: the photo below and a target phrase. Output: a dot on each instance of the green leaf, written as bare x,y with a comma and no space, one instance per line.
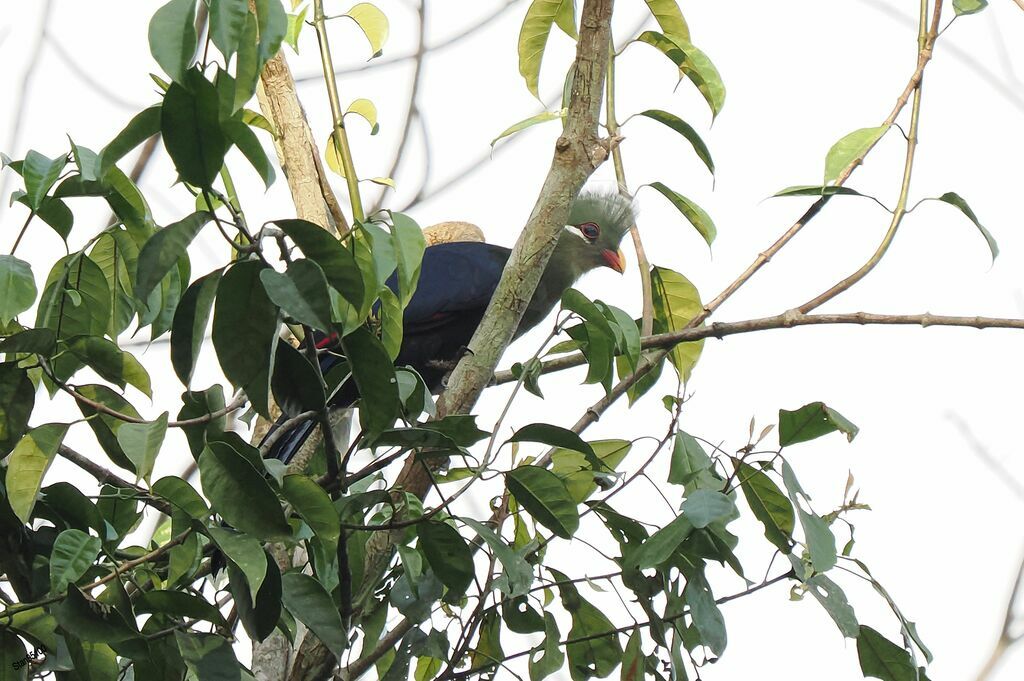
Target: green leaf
954,199
542,117
227,23
91,621
272,24
17,287
545,497
850,149
307,601
140,128
365,109
704,507
692,64
676,302
969,6
245,331
707,618
40,172
812,421
592,654
55,213
172,37
553,658
117,256
818,190
690,465
700,220
105,427
821,543
633,658
390,313
260,619
448,555
409,244
374,375
301,293
245,552
17,397
178,604
208,656
663,543
247,66
883,659
565,18
296,384
239,134
240,493
555,436
833,600
110,362
295,24
181,495
190,125
258,120
141,443
12,656
33,341
163,249
579,475
313,504
337,262
372,22
669,18
75,301
533,38
28,464
73,553
684,129
768,504
518,576
188,330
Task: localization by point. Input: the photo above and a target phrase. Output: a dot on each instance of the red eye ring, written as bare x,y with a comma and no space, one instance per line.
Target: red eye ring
590,230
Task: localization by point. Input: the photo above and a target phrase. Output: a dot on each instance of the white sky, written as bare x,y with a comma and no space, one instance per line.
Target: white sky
944,535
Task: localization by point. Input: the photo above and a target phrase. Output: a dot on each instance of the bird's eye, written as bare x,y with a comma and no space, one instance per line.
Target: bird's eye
590,230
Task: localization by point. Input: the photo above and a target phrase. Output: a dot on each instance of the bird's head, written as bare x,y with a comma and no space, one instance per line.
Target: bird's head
597,222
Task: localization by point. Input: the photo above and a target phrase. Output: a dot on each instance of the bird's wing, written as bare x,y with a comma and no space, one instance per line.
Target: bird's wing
454,278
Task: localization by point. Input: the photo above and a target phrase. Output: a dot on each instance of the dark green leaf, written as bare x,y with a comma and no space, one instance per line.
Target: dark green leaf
545,497
337,262
768,504
296,384
954,199
707,618
227,22
38,341
817,190
556,436
88,620
140,128
190,124
245,552
17,397
182,495
199,403
172,37
594,655
241,494
245,331
188,331
684,129
162,251
409,244
301,293
74,279
110,362
374,374
259,620
881,658
104,426
553,657
812,421
308,602
141,443
247,142
178,604
12,657
663,543
247,66
273,24
40,173
208,657
17,287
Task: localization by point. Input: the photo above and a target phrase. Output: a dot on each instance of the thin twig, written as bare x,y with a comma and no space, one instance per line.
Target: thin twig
108,477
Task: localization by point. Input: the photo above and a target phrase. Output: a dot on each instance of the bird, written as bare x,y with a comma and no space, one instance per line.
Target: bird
456,283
